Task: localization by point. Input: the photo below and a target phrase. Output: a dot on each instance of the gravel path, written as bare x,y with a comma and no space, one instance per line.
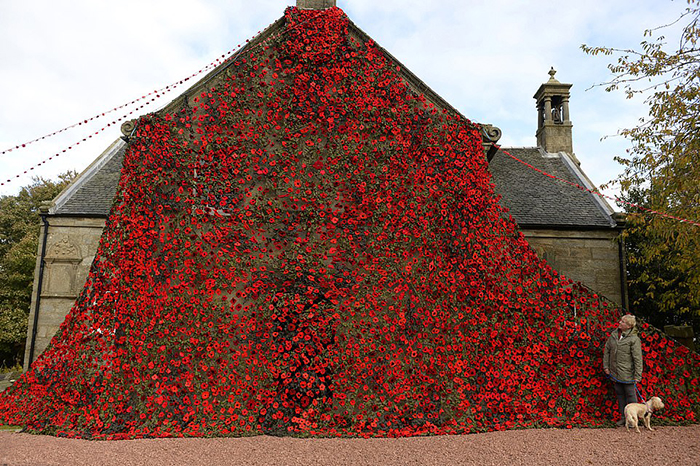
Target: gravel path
533,447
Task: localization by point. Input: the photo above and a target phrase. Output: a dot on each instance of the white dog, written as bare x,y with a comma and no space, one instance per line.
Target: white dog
634,411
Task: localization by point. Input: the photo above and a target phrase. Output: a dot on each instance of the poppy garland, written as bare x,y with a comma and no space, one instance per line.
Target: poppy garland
309,247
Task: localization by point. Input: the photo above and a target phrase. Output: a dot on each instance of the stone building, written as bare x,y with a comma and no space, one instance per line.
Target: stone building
572,229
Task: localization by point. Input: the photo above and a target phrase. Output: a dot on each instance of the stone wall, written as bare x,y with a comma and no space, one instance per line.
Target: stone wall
555,137
590,257
70,249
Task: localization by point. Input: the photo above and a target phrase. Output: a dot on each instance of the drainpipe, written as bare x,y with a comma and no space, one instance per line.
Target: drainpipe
44,209
621,220
623,274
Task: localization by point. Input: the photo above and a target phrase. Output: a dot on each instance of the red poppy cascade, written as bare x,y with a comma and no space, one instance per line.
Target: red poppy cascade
310,247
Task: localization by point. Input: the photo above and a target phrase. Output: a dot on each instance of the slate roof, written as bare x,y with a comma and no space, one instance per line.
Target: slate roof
535,200
92,193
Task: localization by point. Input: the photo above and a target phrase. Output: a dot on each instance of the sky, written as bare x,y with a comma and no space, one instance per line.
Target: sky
62,63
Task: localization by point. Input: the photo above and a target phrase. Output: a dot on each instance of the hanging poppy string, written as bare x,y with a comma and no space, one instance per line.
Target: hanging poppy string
157,93
232,56
376,291
615,199
58,154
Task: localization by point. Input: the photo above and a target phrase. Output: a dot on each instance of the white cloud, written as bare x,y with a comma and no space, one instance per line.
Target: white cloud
66,61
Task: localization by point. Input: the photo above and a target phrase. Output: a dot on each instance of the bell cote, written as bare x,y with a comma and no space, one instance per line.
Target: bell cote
553,119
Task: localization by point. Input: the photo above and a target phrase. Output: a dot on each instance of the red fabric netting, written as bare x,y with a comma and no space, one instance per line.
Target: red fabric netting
310,247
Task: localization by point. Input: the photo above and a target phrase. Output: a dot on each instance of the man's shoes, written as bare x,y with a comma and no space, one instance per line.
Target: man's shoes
620,423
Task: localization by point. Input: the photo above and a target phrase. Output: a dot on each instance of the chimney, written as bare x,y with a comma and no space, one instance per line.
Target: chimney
553,120
315,4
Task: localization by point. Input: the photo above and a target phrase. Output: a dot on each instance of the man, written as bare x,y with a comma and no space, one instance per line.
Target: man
622,361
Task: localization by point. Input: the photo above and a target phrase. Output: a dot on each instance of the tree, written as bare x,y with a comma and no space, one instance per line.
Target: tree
19,236
658,282
661,172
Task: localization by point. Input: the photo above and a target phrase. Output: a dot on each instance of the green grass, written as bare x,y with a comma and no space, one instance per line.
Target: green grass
10,428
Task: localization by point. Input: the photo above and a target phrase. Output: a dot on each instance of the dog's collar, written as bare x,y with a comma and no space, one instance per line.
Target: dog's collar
650,409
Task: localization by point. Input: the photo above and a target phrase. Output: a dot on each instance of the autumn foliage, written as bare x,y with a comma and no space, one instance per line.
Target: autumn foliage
661,172
310,247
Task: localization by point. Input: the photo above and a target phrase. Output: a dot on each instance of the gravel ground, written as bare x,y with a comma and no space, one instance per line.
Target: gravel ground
533,447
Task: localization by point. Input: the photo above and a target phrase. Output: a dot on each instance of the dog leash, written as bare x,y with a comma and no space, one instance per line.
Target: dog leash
639,394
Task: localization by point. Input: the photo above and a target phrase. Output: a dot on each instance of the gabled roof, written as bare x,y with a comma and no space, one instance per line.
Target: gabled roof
533,199
278,27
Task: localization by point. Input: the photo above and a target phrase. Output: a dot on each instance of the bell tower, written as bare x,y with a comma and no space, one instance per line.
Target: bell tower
553,121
